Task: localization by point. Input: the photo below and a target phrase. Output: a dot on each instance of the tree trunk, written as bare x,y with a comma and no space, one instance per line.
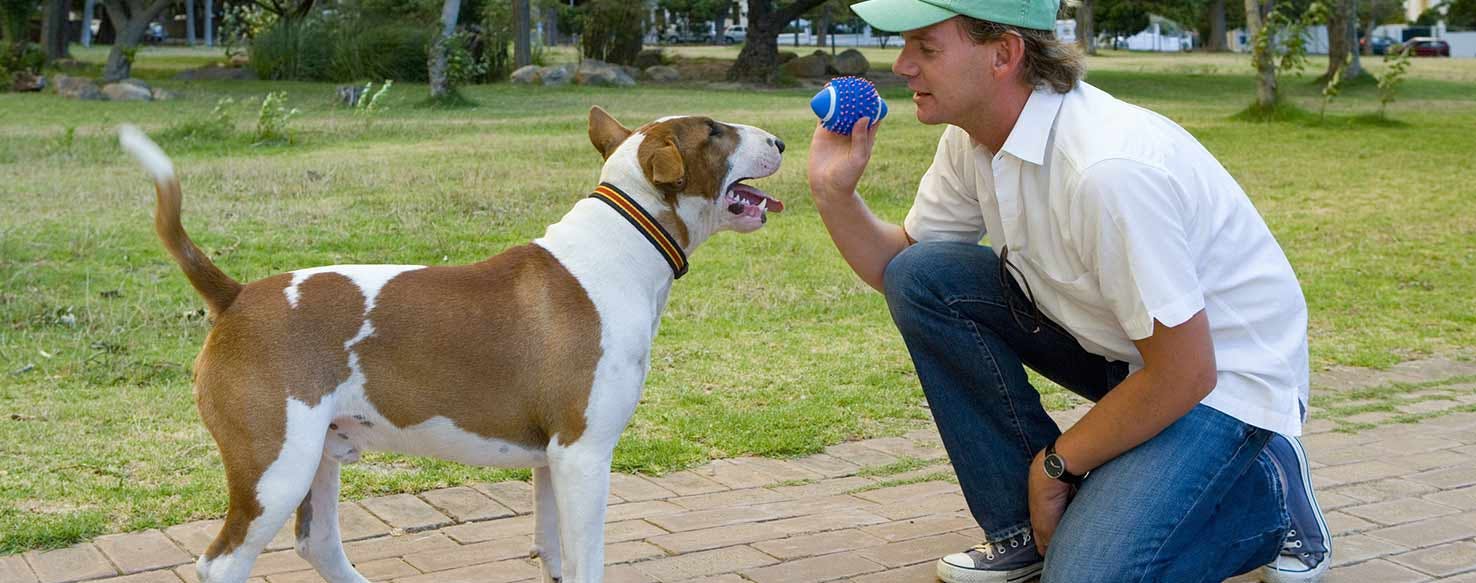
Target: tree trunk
522,44
87,22
1265,68
1086,27
1355,65
189,22
1337,38
130,22
209,23
759,60
822,27
1217,26
54,30
440,82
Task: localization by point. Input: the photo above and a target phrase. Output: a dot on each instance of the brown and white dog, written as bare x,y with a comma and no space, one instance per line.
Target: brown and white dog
535,357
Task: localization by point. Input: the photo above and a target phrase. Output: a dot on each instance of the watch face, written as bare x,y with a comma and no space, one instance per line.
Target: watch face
1053,466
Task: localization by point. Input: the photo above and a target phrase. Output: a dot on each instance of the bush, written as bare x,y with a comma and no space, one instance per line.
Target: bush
23,58
342,50
612,30
294,50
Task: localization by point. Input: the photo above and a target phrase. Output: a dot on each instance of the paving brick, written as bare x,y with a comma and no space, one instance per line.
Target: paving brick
938,503
513,494
823,488
1375,572
406,511
700,519
396,546
303,577
492,529
918,550
1340,523
1463,498
1416,444
724,578
1448,478
704,563
162,576
73,563
737,473
461,556
14,569
1362,547
275,562
688,483
827,465
635,488
826,521
1399,511
1429,532
817,544
631,530
355,523
499,572
712,538
784,470
141,551
905,448
1316,426
647,509
860,455
465,504
726,498
385,569
1359,472
907,492
814,569
1432,460
1349,455
631,551
626,574
1333,500
816,505
920,527
1382,490
1446,559
919,573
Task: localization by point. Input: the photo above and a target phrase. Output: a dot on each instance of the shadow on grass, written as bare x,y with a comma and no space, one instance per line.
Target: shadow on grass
1284,112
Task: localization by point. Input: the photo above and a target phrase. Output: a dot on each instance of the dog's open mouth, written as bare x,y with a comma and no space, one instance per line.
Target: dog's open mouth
744,200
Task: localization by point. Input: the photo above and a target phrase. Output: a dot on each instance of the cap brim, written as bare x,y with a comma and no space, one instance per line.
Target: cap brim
900,15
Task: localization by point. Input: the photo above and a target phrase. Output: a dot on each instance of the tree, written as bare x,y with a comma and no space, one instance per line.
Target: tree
1086,26
131,19
440,81
1379,12
289,10
1461,13
523,33
697,12
15,15
1262,60
54,29
1121,17
759,60
1216,42
1342,40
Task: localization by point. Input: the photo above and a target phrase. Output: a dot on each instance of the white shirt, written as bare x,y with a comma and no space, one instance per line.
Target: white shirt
1117,217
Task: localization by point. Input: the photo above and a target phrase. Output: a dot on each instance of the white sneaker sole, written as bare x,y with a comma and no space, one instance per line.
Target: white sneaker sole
950,573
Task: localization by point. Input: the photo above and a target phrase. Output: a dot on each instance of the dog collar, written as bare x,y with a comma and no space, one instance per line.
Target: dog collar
646,224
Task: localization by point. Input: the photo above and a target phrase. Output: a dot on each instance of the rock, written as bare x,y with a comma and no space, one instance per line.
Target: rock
812,66
213,72
556,75
349,95
662,73
163,95
600,73
126,92
240,60
527,75
787,56
76,87
851,62
649,58
25,82
138,84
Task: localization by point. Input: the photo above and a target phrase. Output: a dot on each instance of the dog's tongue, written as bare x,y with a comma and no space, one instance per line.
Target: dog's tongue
775,205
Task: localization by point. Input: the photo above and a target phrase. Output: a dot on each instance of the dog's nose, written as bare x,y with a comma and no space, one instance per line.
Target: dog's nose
778,143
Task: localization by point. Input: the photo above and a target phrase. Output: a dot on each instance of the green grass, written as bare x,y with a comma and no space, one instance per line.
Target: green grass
770,345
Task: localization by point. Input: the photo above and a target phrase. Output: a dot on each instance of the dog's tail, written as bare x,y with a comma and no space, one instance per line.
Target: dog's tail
218,289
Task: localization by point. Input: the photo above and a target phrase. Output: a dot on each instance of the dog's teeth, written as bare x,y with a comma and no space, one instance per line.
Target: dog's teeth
764,205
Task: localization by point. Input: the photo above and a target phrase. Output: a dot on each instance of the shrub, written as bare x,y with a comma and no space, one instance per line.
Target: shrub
342,49
294,50
612,30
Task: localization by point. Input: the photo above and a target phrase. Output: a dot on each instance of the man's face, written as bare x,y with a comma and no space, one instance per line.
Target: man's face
948,73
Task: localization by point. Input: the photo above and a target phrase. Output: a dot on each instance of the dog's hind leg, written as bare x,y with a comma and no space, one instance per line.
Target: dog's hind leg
546,529
264,490
318,538
581,478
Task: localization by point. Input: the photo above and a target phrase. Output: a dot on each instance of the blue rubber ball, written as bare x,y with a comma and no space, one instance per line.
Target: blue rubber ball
846,99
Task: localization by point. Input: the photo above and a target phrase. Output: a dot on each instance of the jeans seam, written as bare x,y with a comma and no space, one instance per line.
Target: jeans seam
998,377
1046,322
1199,496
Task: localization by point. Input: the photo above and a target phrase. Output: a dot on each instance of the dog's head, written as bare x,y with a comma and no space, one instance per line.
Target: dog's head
695,168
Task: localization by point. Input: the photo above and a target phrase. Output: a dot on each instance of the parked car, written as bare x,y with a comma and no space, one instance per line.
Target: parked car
698,37
1380,44
1424,46
735,34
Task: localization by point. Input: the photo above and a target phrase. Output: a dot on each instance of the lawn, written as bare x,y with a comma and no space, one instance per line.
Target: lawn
770,346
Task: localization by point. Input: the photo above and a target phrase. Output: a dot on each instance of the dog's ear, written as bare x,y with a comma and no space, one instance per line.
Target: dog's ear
604,132
662,162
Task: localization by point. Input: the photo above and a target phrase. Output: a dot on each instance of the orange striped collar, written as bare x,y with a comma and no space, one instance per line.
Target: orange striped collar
646,224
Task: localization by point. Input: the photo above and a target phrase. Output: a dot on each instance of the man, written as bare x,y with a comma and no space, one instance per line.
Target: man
1125,264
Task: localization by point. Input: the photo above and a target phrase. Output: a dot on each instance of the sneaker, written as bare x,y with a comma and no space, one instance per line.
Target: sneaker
1306,553
1014,560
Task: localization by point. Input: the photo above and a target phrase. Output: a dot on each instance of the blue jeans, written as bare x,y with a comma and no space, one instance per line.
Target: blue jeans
1200,501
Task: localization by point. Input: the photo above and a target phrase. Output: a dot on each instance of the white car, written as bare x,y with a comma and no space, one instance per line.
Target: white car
735,34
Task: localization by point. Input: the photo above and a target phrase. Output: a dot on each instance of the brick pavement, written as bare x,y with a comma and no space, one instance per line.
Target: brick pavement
1400,498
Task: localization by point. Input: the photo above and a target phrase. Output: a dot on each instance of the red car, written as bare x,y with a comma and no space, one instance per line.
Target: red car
1423,46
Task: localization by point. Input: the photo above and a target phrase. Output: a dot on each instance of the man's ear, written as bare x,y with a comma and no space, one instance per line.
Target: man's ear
604,132
663,165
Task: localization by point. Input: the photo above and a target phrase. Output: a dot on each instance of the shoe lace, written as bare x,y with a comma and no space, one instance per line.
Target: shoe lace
991,549
1292,545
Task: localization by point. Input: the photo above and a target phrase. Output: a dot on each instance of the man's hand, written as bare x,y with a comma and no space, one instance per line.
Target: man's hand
837,162
1048,499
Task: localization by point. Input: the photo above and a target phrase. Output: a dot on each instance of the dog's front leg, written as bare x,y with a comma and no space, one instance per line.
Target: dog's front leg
546,519
581,478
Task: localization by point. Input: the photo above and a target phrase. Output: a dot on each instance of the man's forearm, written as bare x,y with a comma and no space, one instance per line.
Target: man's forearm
1129,415
866,242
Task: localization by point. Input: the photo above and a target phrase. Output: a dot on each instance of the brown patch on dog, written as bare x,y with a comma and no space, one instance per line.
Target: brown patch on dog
505,348
686,156
260,351
604,132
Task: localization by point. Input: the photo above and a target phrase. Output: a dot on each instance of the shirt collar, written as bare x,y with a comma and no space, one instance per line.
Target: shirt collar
1027,141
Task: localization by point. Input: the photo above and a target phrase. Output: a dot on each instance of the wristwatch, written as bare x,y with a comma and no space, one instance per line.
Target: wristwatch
1055,467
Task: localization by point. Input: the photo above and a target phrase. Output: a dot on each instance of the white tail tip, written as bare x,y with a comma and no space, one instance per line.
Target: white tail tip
146,152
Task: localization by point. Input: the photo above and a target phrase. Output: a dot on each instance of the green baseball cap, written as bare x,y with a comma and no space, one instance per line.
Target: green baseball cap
905,15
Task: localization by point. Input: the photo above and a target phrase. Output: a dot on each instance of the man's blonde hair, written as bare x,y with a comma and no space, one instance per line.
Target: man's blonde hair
1047,61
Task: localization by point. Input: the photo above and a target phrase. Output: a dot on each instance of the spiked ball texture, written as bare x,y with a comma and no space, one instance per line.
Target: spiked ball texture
846,99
